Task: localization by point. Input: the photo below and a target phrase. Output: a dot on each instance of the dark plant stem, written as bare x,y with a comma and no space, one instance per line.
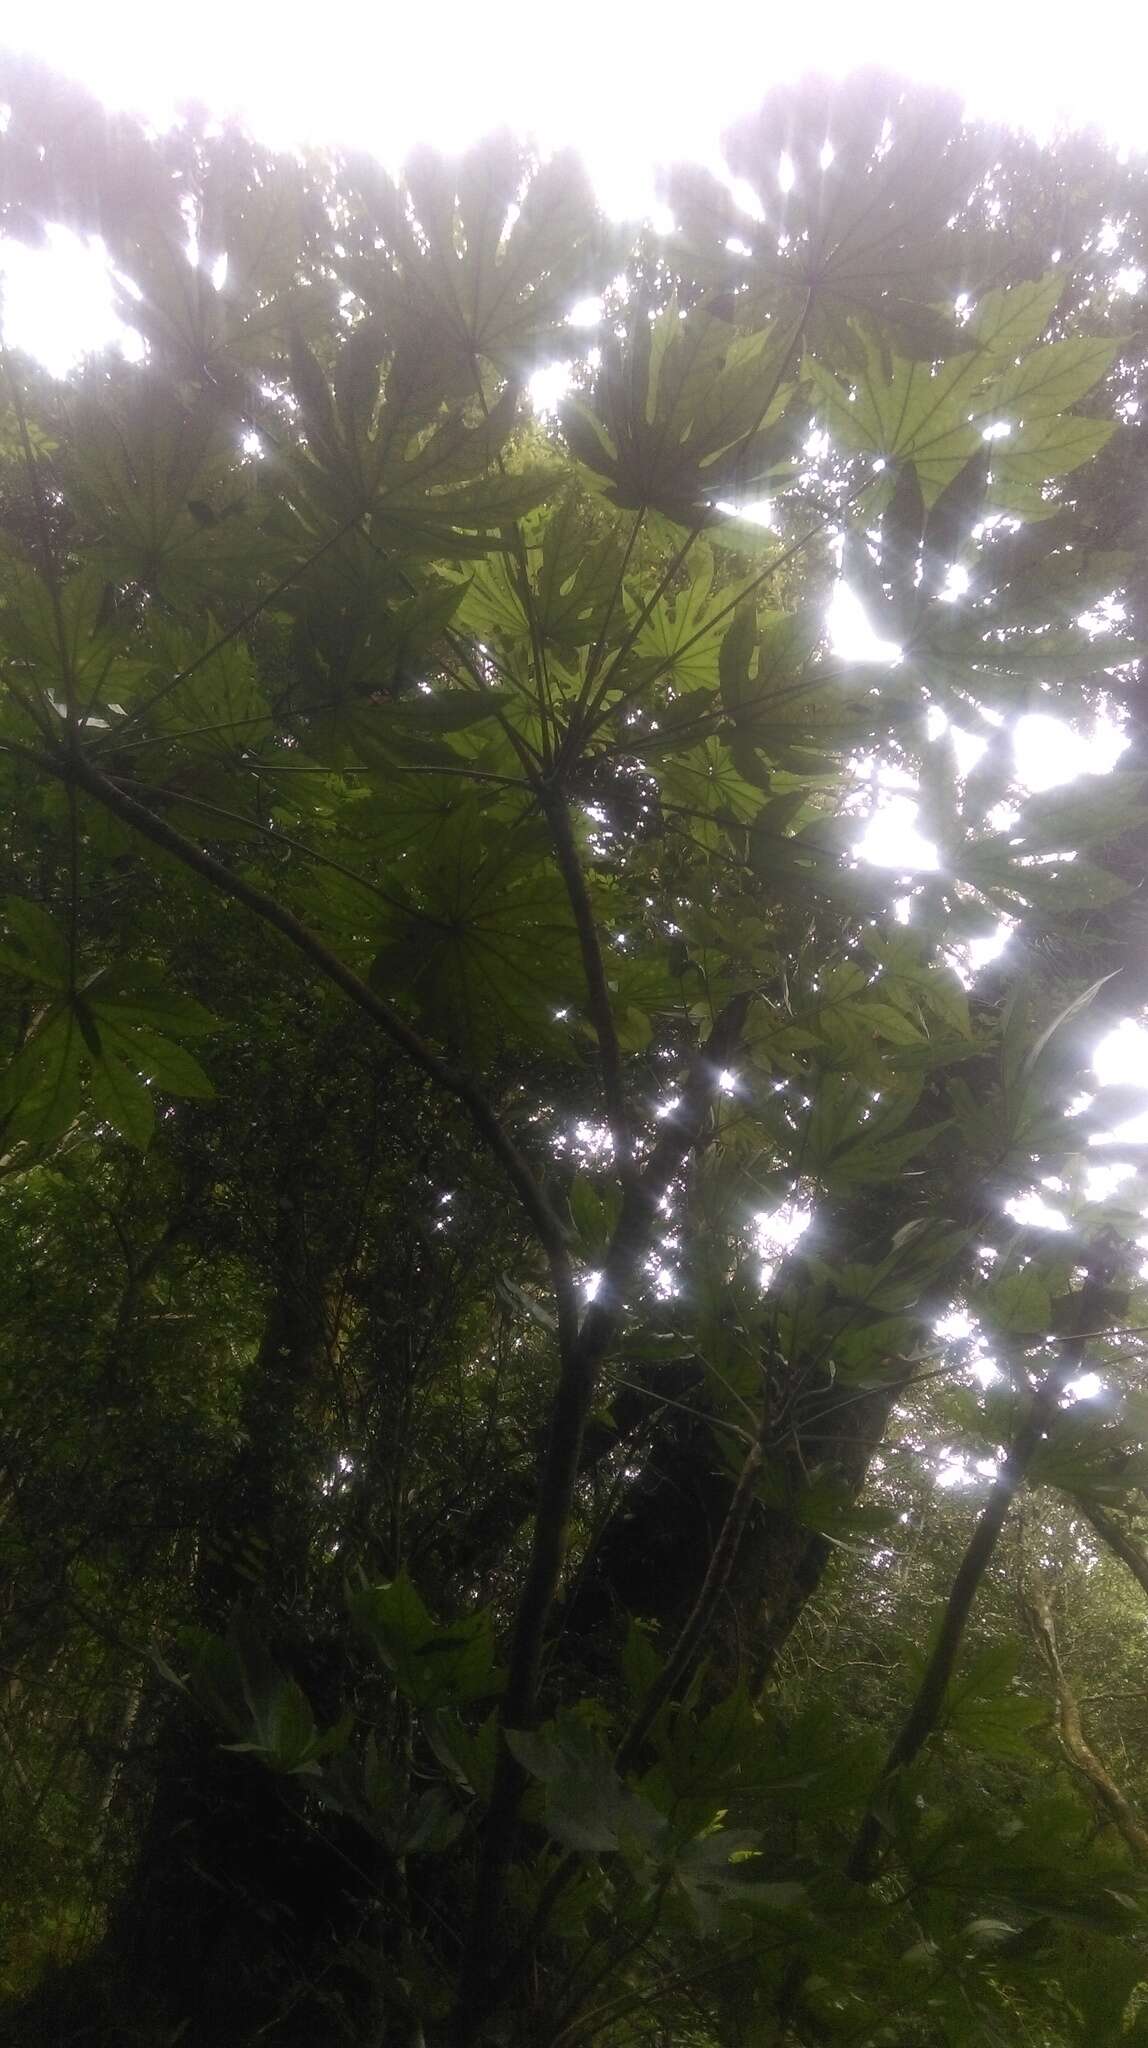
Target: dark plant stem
924,1713
597,989
578,1371
451,1079
701,1615
1118,1541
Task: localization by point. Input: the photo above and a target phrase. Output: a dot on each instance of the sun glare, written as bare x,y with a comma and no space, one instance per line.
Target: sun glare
1048,751
891,839
58,301
1121,1058
852,635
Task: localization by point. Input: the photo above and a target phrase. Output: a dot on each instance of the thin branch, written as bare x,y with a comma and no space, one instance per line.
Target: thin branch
925,1711
596,652
581,1358
453,1080
597,988
1070,1729
701,1615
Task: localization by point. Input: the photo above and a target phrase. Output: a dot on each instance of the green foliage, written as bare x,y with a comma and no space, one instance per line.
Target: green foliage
439,1374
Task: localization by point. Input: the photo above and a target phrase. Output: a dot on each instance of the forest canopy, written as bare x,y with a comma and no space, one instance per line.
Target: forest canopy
575,1461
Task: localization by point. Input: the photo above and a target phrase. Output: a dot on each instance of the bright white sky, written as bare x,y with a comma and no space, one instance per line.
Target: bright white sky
627,83
630,86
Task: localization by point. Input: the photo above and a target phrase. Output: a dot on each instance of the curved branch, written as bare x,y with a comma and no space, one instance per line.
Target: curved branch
573,1400
1118,1540
83,774
1070,1729
925,1711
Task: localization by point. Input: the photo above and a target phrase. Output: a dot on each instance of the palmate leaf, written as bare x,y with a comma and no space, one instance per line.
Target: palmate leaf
375,646
1044,449
864,236
587,1806
1037,580
494,611
120,1097
684,633
138,993
408,814
1014,317
168,1066
704,781
812,865
434,1665
935,415
139,466
115,1034
765,668
1048,380
686,413
12,431
483,938
236,1683
852,1140
362,629
1040,1866
1018,1303
878,1159
488,253
423,467
269,225
1062,819
576,589
1091,1460
911,414
40,1091
958,657
567,598
1009,878
50,637
213,332
216,711
433,733
35,946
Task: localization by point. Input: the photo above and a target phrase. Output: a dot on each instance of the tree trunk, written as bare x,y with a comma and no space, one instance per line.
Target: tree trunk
652,1555
236,1903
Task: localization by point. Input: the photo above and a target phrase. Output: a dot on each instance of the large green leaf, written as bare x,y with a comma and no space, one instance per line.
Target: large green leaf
866,235
36,949
687,414
40,1092
488,253
588,1807
121,1097
935,415
435,1666
483,939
